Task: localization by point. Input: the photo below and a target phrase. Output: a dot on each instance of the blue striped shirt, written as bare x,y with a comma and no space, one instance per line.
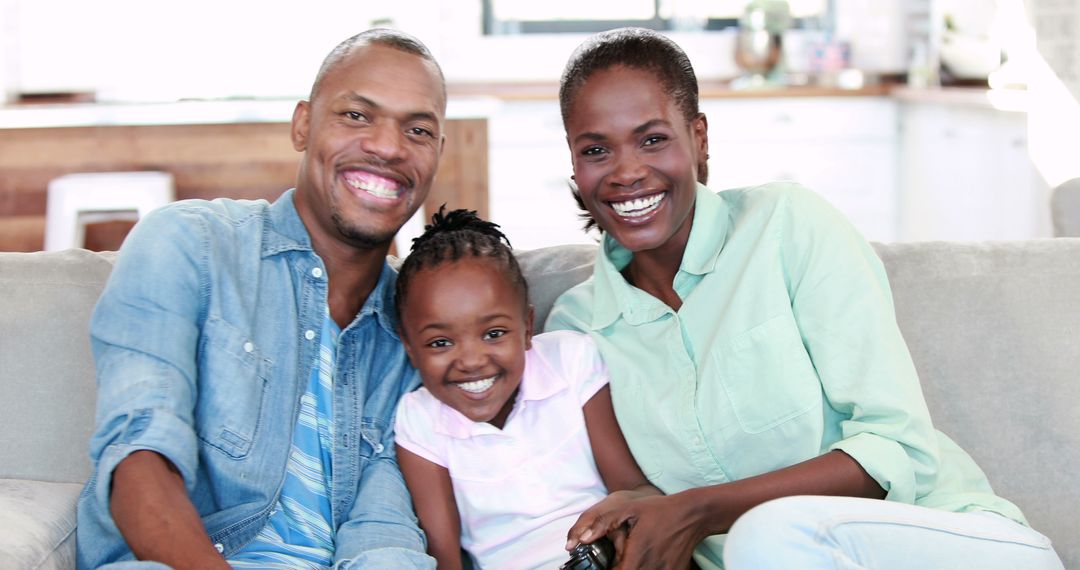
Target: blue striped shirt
300,531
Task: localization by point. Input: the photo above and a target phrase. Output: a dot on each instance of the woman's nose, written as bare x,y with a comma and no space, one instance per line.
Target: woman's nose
628,170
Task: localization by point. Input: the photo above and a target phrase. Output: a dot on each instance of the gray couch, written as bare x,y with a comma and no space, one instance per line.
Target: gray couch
994,329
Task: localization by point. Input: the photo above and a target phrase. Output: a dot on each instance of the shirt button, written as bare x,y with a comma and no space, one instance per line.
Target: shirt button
309,334
317,272
248,347
378,448
220,548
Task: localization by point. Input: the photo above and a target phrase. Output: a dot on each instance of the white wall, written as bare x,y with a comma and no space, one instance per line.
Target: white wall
147,51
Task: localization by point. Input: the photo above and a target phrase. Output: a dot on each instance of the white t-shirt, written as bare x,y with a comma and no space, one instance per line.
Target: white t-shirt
519,489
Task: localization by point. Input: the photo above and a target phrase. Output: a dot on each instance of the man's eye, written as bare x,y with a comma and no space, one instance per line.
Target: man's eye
422,132
651,140
354,115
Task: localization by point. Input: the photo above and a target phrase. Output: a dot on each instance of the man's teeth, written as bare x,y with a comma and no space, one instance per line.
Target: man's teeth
477,386
638,207
375,188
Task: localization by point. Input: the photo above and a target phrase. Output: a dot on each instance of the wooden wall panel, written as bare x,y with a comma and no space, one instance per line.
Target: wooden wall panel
244,160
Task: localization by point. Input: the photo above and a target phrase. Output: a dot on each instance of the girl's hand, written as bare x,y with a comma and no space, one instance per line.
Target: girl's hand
661,531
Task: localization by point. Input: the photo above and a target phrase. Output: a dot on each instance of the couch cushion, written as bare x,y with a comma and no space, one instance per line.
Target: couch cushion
562,267
38,519
47,391
994,330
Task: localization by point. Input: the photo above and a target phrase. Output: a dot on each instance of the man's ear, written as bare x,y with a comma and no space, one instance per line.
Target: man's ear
301,122
530,318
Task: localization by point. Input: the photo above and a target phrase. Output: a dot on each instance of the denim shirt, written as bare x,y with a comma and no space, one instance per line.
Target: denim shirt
203,338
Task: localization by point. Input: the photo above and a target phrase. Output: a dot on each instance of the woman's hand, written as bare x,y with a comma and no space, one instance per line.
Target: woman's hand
649,530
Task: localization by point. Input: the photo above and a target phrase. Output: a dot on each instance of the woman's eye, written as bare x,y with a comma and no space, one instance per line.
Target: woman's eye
494,334
593,151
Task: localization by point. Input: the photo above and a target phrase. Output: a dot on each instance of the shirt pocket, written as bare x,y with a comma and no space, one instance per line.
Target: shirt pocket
767,375
233,377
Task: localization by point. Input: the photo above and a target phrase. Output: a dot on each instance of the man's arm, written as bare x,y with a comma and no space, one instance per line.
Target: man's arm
433,497
151,508
381,530
144,337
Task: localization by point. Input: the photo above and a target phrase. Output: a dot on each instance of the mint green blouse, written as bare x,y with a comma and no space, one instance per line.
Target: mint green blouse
786,347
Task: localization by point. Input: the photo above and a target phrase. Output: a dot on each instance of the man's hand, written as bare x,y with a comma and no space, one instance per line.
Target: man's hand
151,508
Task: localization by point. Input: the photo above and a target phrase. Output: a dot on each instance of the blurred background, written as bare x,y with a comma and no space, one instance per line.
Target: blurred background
919,119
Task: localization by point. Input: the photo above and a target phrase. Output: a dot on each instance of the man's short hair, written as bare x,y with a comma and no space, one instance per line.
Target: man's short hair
378,36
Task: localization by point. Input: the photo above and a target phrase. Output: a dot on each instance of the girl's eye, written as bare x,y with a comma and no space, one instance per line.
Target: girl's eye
439,343
494,334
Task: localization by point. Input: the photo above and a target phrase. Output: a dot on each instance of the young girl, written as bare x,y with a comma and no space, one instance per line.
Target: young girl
512,436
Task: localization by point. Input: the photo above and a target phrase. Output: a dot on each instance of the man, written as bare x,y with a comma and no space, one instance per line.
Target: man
247,357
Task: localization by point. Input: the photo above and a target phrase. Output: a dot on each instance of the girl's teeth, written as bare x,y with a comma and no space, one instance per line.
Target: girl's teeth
638,207
477,386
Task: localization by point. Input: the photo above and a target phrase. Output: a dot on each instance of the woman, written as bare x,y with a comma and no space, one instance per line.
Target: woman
754,355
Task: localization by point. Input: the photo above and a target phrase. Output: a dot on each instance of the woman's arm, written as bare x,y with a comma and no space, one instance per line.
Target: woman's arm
664,530
433,498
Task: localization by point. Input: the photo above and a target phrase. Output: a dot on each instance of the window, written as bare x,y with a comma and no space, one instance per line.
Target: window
507,17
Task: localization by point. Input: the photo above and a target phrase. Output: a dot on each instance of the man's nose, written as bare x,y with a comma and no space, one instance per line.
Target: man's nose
385,141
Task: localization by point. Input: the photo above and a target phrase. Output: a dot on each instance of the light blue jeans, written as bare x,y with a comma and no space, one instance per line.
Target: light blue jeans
849,533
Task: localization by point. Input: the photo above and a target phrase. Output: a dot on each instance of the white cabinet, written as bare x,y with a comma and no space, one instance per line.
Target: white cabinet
843,148
967,175
529,176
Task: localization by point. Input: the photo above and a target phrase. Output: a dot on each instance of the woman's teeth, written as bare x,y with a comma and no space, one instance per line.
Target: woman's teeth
477,386
638,207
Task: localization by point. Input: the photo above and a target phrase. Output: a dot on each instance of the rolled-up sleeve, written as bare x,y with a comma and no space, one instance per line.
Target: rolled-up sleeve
144,337
843,306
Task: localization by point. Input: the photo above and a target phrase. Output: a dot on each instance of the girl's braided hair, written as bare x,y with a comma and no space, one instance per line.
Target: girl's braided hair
451,236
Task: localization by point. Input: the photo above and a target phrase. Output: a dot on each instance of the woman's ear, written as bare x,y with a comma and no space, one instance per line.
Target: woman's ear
700,129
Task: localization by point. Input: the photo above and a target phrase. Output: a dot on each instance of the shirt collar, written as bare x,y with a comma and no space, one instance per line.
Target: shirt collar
615,297
286,231
538,382
380,302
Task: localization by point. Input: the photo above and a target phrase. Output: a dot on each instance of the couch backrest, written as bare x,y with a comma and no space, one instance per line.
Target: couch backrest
47,388
993,328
